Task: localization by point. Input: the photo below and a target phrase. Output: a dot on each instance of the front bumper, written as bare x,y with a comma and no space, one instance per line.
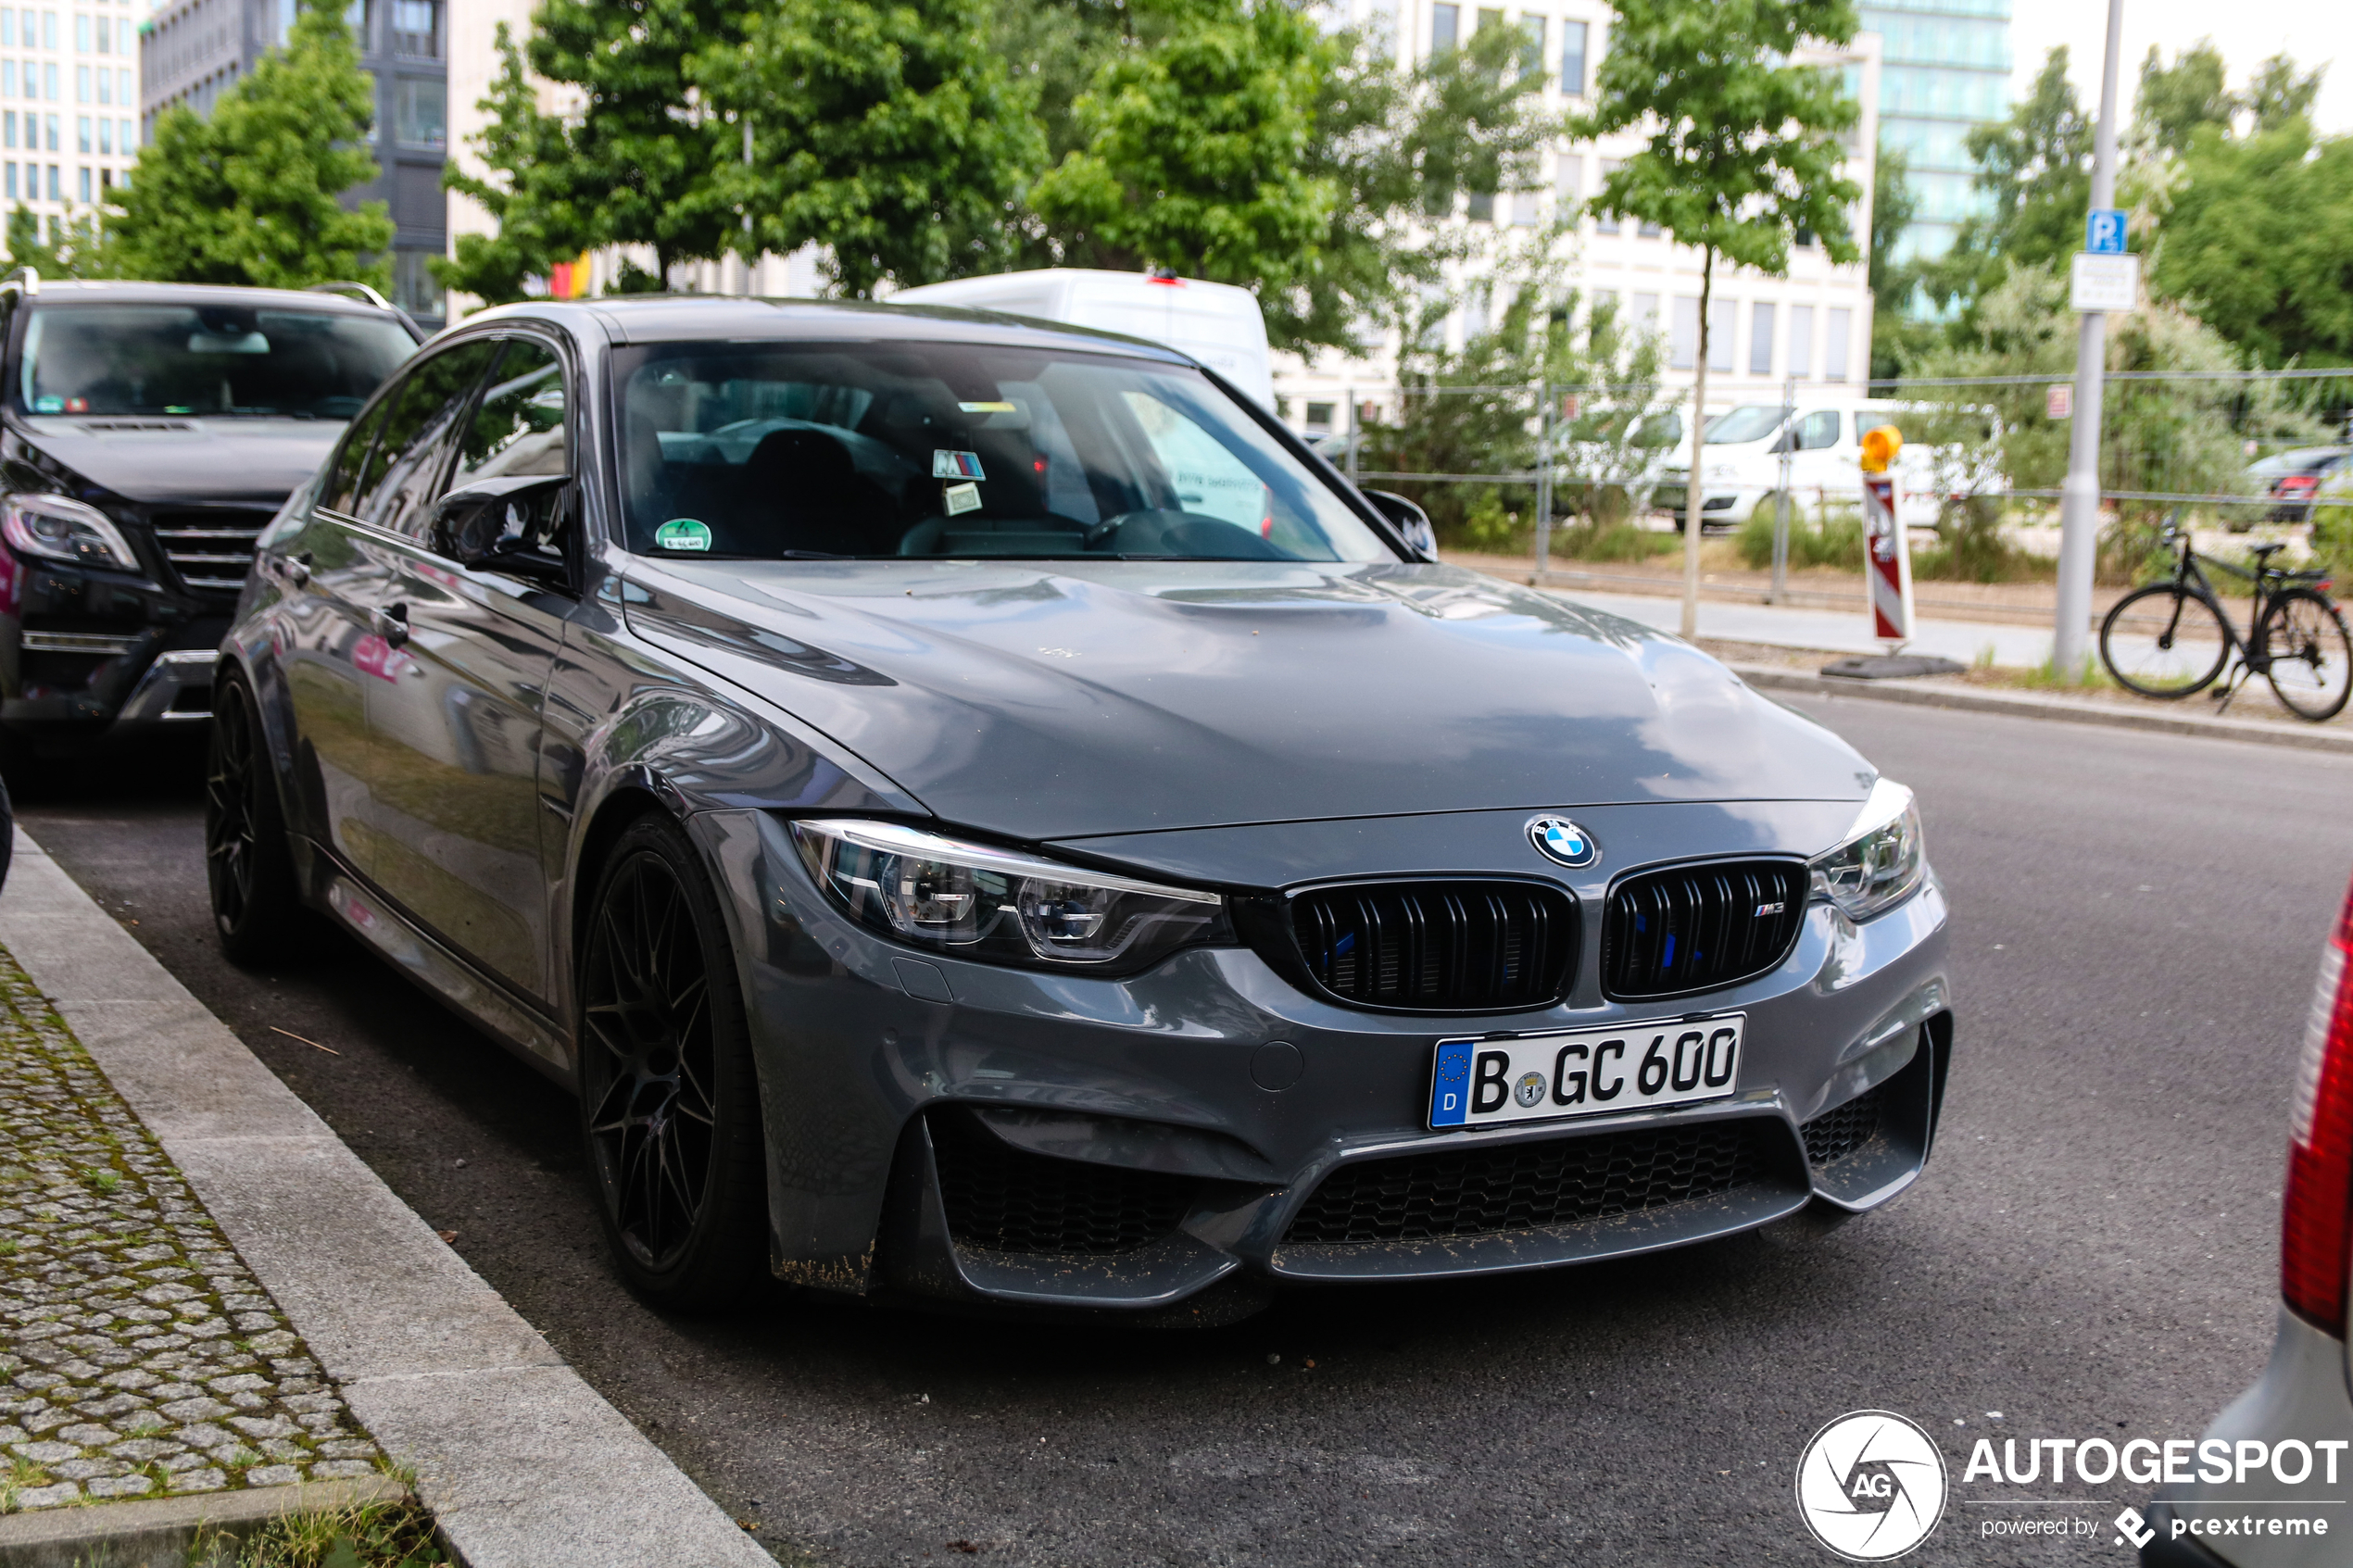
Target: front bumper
98,653
1211,1093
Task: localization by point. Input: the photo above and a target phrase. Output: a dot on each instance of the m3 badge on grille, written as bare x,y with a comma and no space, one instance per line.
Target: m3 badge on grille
1557,838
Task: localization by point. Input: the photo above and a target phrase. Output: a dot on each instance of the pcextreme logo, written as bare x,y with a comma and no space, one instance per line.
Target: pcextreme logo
1871,1486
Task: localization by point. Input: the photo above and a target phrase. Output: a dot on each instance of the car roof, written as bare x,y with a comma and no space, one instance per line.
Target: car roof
725,318
87,291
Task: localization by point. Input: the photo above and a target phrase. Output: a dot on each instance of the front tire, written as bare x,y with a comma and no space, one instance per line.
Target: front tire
669,1104
257,909
2177,645
2309,658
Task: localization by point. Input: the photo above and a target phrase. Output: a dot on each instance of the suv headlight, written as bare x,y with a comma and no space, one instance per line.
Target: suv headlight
1883,860
60,528
1000,905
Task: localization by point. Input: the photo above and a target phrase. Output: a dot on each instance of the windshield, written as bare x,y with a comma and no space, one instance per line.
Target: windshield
1750,422
762,452
205,359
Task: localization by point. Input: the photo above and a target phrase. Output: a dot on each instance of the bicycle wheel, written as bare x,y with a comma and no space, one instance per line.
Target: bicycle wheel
2311,658
2164,641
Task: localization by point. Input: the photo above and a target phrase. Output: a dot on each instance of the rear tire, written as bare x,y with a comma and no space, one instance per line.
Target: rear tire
2310,659
2164,653
669,1099
257,909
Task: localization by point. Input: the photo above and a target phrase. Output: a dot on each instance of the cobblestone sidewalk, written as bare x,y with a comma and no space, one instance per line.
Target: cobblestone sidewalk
141,1356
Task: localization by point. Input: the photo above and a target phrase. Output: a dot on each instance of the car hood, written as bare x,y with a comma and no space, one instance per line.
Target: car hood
178,458
1060,699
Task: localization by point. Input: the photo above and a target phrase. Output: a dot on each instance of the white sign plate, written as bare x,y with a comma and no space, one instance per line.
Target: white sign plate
2106,282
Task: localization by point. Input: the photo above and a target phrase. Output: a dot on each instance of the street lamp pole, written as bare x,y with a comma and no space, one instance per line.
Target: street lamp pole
2080,499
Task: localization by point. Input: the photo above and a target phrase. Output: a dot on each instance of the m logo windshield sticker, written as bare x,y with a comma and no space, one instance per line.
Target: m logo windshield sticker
1871,1486
1557,838
955,465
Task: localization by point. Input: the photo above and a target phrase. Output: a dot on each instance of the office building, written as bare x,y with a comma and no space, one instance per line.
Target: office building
68,105
1944,68
195,50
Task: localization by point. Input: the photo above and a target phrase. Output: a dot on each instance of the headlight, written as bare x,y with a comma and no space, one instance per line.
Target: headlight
976,901
1883,860
63,529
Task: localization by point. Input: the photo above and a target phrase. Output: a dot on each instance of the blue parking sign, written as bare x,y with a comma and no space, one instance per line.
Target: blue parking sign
2103,231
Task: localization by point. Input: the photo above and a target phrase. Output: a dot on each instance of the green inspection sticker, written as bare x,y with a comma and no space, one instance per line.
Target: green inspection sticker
683,533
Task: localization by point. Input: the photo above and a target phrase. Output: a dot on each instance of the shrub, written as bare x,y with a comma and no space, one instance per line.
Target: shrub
1834,538
1604,541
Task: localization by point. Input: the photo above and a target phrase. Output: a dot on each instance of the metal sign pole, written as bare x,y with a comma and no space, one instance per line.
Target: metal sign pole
1780,493
1355,437
2080,499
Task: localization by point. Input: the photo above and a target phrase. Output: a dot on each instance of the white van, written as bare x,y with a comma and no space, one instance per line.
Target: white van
1216,323
1742,460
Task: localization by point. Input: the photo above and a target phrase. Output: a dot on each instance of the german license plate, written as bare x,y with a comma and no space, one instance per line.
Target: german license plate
1585,1072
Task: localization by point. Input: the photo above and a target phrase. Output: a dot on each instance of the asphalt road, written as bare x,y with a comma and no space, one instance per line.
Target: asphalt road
2091,1251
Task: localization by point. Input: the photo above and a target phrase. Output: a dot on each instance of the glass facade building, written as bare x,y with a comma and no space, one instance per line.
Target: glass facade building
1947,67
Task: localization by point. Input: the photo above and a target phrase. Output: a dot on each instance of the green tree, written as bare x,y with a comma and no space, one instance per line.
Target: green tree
75,247
526,193
2034,170
2255,242
2176,101
2278,94
635,167
1898,335
884,130
252,195
1743,150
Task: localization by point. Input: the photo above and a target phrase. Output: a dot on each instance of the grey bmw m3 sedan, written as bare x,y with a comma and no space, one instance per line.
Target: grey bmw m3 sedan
979,813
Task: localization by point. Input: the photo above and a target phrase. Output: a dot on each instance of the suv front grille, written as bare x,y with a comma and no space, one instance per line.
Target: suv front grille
1700,928
1439,946
1010,1201
1843,1129
1479,1191
210,549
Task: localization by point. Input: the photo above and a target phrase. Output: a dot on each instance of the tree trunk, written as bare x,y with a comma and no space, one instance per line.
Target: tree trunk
1693,485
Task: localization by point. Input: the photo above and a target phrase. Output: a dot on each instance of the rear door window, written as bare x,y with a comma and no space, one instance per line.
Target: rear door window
1818,430
343,480
519,426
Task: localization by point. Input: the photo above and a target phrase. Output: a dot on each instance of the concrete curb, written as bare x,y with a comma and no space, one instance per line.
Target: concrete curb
162,1531
521,1463
1976,700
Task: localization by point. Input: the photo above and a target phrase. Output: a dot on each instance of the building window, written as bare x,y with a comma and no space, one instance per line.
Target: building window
85,186
1443,22
81,84
1760,340
1648,231
12,180
420,112
1609,167
1842,327
56,186
49,83
1801,341
8,128
1723,324
416,29
50,125
82,35
1523,209
1573,58
1682,337
130,138
1568,181
1531,53
8,79
7,29
1482,207
122,92
106,35
82,143
414,288
106,137
1645,312
355,19
1319,419
48,29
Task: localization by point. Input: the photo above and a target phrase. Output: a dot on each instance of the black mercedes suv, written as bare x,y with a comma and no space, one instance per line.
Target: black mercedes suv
148,432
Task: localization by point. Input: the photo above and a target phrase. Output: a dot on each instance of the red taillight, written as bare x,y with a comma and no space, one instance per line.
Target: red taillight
2297,485
2316,1246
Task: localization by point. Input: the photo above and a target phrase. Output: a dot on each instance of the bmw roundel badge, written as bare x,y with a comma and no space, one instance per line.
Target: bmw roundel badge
1557,838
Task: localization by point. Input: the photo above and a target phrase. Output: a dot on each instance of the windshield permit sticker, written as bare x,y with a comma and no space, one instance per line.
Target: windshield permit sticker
48,405
683,533
999,407
961,498
955,465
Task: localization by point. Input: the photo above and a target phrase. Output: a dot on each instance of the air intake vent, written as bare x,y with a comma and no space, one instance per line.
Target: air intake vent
1700,928
1840,1130
1010,1201
210,549
1478,1191
1439,946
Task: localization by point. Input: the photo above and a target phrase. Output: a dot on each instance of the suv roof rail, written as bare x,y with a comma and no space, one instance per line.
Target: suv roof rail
353,290
24,278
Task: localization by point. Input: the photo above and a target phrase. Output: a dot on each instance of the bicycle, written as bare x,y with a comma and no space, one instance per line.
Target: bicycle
2296,638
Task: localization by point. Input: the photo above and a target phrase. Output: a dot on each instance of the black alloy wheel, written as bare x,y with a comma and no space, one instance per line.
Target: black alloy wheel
249,867
668,1094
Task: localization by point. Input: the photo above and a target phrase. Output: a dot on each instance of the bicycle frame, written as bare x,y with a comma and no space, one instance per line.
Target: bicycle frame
2268,581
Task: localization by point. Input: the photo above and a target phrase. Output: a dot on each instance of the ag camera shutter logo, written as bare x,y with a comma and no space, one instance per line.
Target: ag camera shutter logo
1871,1486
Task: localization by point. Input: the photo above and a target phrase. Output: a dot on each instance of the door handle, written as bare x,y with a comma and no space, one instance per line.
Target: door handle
296,569
394,621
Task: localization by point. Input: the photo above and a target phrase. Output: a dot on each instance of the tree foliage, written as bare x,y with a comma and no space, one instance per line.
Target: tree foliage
1898,336
251,195
2175,102
884,130
2034,171
526,192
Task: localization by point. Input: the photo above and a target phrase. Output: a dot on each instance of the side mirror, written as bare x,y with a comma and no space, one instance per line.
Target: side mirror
508,523
1408,519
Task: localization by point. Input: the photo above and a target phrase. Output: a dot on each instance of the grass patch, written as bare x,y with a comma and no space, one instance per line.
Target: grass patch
371,1535
2047,676
1833,537
103,1180
1620,542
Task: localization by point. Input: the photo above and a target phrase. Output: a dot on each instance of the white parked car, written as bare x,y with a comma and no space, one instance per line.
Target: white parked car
1742,460
1216,324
